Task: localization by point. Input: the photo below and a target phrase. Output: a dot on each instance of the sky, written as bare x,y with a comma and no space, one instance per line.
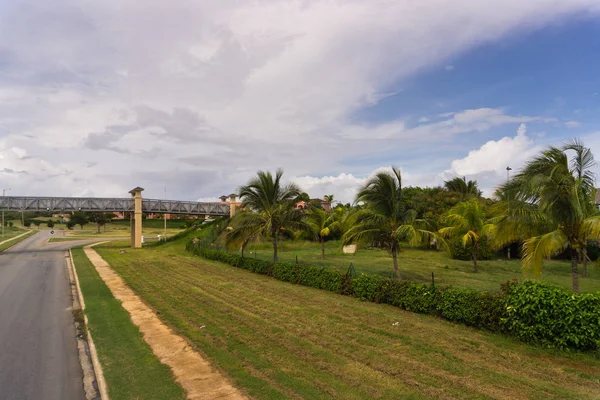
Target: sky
97,98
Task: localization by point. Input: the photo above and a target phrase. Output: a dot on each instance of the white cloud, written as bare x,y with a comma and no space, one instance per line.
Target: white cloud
201,94
449,67
572,124
488,163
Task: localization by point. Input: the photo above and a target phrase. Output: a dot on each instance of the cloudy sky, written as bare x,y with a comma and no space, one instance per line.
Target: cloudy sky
97,97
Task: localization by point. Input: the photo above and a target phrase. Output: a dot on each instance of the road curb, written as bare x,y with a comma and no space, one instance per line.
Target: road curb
100,390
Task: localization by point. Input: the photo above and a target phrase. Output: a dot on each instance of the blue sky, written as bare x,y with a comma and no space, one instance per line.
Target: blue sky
97,98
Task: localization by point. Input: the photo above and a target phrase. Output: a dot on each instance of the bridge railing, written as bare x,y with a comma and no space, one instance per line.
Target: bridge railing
99,204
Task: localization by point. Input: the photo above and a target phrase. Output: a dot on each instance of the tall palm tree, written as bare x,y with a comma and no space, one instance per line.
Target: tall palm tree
270,209
559,193
385,220
468,221
463,187
321,224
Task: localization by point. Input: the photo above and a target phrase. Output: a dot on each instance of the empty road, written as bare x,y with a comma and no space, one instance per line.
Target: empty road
38,350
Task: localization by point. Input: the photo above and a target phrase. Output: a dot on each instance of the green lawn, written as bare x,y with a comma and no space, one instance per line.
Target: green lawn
277,340
10,242
11,232
131,370
418,265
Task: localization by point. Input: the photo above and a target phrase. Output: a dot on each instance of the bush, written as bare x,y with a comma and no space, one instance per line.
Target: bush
286,272
50,224
472,308
460,252
553,317
27,224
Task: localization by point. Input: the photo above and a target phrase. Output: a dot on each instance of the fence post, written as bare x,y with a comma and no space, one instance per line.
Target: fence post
296,259
432,280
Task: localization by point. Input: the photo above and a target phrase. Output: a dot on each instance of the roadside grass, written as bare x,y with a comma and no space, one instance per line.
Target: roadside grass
62,239
11,232
277,340
130,368
418,265
16,240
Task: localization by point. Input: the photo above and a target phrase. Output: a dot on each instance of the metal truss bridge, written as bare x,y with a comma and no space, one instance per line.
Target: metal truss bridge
98,204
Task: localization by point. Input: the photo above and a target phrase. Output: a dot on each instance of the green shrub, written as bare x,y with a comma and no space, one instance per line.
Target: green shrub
553,317
366,287
286,272
320,278
472,308
460,252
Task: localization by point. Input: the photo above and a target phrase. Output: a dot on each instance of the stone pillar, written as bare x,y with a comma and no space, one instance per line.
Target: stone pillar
136,223
232,205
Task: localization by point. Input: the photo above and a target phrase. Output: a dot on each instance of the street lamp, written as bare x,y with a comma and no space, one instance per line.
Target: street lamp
165,213
508,169
3,195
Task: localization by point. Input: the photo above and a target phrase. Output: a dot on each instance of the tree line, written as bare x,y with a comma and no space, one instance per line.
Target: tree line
547,208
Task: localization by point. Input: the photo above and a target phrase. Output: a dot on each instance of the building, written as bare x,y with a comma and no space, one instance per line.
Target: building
301,205
598,198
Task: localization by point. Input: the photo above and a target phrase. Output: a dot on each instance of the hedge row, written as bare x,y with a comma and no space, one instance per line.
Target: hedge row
533,312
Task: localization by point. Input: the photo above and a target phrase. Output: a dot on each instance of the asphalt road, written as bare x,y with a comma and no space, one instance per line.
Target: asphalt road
38,350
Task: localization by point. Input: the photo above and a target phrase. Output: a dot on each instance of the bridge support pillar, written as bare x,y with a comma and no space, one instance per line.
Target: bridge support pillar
136,221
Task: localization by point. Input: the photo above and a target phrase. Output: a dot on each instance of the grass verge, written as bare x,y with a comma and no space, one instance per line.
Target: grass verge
418,265
130,368
16,240
66,239
279,340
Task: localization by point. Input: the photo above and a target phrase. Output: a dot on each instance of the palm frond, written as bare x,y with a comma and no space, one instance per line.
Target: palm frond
538,248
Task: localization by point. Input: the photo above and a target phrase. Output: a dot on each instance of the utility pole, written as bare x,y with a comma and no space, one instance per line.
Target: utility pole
508,169
165,212
3,195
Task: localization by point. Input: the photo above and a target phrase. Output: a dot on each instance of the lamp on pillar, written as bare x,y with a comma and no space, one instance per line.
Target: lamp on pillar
232,205
136,221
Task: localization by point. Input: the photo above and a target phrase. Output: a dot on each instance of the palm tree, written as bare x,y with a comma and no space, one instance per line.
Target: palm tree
321,224
468,221
559,193
463,187
270,209
385,220
329,198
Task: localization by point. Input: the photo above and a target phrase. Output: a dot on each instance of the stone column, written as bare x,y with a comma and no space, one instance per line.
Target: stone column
232,205
136,225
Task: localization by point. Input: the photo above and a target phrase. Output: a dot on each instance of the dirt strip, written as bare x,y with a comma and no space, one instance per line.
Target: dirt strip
195,374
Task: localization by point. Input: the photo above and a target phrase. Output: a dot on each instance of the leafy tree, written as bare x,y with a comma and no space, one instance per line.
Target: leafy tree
37,223
465,188
27,223
270,206
430,204
321,224
99,218
50,224
79,218
468,221
554,207
70,224
386,221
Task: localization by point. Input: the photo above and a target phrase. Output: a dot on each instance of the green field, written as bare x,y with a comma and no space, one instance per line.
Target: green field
130,368
10,233
278,340
418,265
11,238
150,227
